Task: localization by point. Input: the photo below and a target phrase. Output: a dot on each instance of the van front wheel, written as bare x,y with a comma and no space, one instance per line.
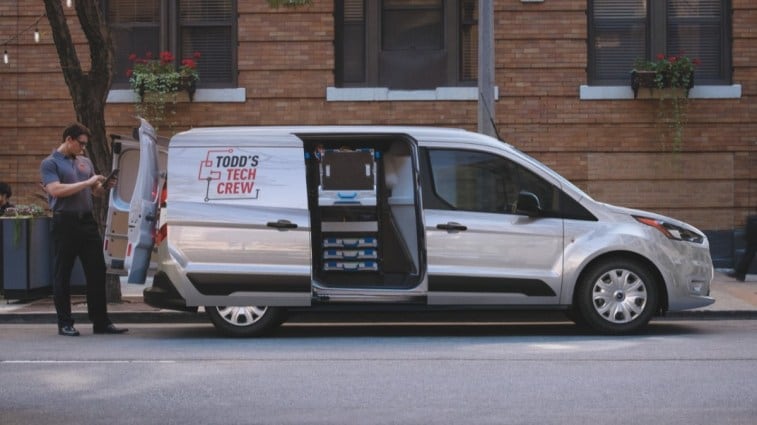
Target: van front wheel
245,321
617,296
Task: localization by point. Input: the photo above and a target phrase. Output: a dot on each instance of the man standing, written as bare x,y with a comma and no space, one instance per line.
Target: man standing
5,197
70,181
750,234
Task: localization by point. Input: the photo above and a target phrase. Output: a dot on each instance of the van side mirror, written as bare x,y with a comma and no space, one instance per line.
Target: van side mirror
528,204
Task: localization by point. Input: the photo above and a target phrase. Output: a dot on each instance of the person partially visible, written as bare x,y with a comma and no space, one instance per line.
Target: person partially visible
740,271
70,182
5,196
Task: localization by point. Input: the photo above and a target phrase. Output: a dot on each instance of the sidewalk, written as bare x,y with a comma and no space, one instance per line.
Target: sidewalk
734,300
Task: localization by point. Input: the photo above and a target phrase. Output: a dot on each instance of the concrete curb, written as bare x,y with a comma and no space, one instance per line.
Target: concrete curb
350,317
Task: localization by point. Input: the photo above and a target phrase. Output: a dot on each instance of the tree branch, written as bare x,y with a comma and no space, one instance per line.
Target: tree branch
69,61
100,46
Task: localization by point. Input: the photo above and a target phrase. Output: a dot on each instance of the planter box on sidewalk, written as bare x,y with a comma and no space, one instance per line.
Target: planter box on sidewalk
26,254
26,257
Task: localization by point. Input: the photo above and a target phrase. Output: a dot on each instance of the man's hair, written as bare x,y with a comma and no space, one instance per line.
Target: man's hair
5,189
74,130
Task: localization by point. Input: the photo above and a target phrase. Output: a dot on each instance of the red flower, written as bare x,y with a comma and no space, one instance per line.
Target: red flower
697,62
132,57
166,57
189,63
128,73
660,56
148,55
196,55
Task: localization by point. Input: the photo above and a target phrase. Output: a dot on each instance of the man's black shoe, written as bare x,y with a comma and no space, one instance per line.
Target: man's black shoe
739,277
109,329
68,331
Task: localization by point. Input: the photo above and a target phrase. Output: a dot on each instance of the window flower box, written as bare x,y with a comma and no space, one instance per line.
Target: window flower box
160,82
669,79
657,88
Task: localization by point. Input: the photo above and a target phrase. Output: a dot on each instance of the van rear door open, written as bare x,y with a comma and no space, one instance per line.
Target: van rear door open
143,207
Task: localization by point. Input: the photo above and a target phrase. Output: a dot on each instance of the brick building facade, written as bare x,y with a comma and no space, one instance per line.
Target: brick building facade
608,144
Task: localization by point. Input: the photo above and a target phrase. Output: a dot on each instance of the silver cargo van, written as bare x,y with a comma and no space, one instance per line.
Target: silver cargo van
251,221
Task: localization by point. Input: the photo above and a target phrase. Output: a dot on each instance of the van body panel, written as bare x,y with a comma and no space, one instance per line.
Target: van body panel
506,253
238,221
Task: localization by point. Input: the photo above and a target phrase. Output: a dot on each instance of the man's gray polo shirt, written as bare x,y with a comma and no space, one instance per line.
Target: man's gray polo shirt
60,168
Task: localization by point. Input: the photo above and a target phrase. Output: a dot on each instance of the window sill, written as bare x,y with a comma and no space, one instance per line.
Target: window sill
237,95
383,94
625,92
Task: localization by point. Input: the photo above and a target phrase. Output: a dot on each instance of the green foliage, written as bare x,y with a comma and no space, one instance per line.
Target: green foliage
157,81
161,75
25,211
677,74
670,71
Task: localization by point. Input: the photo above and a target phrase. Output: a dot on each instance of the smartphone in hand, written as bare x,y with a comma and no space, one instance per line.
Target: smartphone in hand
112,176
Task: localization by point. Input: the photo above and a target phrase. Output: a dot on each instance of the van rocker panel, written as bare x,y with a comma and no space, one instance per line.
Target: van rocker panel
227,284
499,285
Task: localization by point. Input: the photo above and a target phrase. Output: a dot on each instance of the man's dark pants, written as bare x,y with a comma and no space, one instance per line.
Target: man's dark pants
76,235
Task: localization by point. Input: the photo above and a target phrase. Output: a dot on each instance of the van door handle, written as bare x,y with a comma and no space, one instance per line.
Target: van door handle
451,226
282,224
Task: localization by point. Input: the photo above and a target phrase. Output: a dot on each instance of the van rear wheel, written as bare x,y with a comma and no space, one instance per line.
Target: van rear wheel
245,321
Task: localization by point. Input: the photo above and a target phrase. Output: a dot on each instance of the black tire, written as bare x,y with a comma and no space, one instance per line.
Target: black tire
617,296
246,321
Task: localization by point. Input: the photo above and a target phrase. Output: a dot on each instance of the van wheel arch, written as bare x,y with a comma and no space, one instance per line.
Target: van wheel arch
631,259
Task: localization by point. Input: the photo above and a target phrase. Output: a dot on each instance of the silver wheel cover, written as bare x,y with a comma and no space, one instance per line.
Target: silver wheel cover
619,296
241,316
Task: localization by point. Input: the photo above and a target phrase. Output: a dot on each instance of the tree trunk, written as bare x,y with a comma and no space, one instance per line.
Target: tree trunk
88,90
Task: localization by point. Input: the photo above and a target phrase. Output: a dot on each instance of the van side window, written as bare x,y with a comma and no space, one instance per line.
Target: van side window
481,182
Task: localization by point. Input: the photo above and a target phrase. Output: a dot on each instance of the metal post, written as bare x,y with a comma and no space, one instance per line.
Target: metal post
486,116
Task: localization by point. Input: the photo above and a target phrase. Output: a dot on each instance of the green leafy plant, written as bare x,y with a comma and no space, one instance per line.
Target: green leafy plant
22,212
25,211
670,71
157,81
673,76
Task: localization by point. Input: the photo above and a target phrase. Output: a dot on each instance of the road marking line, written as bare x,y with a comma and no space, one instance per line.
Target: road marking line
83,361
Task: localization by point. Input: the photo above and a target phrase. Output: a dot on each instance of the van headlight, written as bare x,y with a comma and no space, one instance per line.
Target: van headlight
671,231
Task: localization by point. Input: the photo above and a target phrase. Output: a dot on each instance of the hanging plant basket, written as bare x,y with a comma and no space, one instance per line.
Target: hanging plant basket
656,87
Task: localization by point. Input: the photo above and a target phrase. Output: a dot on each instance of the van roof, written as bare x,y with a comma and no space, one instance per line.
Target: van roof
220,135
320,129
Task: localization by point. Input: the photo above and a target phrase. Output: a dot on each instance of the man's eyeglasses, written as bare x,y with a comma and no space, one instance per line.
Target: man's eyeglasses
83,144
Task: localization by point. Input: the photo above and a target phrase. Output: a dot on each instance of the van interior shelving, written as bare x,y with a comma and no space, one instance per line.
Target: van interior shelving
365,226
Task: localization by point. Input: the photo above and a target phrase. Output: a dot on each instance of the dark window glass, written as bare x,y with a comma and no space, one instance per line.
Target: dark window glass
205,27
619,37
135,28
351,41
405,44
482,182
694,28
182,27
620,32
469,40
412,25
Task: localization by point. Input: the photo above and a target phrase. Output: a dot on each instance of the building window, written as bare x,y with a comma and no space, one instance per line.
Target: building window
621,31
180,26
406,44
